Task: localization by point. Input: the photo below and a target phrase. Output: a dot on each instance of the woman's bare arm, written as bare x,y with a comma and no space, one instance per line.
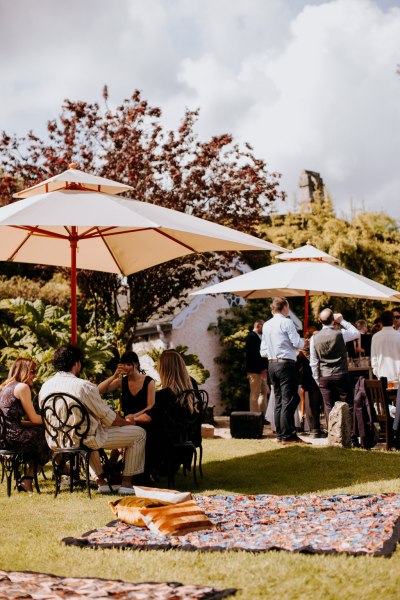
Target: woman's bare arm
22,391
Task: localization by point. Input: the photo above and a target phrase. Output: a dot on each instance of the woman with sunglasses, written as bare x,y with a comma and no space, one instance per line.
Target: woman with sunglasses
24,427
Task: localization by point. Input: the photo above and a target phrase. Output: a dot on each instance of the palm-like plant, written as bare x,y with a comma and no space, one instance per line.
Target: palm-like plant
35,330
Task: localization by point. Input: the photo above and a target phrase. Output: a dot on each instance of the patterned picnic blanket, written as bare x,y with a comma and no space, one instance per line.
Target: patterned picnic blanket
39,586
365,524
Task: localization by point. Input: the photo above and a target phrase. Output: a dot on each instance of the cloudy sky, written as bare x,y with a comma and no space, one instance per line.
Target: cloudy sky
310,84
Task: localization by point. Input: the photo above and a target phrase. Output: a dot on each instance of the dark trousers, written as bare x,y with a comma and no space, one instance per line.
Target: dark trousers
337,388
284,379
313,406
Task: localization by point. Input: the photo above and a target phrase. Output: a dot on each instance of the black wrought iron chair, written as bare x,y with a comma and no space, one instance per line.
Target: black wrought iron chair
66,421
201,405
183,433
376,392
13,462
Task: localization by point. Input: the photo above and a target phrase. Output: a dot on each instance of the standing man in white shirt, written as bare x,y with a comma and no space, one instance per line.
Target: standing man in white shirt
385,349
107,429
328,360
279,344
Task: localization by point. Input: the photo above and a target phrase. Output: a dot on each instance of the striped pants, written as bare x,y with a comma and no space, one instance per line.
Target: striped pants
130,437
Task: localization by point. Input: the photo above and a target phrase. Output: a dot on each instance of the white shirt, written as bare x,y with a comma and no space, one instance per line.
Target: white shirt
385,353
280,338
100,414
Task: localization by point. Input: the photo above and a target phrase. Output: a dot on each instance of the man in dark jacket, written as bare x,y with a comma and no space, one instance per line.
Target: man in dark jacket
256,369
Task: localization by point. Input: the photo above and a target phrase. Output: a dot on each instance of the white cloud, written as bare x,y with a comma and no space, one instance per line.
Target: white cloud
312,85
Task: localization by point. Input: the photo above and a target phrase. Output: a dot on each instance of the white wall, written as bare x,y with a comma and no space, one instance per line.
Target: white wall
190,328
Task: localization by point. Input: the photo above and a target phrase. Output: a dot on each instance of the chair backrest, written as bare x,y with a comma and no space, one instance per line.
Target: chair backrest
184,422
65,419
377,395
196,398
3,430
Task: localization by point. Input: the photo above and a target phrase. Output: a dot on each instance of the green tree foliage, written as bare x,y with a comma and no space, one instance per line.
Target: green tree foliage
367,244
34,330
195,367
55,291
216,178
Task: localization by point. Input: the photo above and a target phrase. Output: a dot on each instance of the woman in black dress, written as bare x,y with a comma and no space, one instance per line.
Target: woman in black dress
138,389
137,398
175,379
16,403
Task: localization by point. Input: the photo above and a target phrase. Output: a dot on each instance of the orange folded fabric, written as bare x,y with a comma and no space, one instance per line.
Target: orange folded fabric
128,509
176,519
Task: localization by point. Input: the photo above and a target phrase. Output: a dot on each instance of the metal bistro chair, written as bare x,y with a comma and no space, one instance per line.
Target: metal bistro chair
183,430
66,421
376,392
13,461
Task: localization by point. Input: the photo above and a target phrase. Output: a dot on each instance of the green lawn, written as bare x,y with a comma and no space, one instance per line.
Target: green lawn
32,527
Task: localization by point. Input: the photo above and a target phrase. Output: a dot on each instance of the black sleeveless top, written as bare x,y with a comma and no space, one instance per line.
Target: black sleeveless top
130,403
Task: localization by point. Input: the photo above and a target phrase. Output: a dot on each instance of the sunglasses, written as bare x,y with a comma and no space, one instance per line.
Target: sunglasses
396,316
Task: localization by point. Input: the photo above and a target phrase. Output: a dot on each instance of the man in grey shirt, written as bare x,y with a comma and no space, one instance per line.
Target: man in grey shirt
279,343
328,360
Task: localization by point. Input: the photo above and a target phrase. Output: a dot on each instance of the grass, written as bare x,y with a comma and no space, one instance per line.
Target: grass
31,527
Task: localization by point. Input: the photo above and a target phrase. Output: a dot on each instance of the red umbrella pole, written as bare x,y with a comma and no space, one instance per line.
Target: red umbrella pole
73,244
305,325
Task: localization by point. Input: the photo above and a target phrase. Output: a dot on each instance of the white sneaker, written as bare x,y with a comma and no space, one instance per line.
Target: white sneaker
105,489
126,491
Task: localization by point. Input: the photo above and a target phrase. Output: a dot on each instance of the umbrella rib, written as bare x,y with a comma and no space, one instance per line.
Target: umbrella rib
18,248
31,231
109,250
38,230
249,294
170,237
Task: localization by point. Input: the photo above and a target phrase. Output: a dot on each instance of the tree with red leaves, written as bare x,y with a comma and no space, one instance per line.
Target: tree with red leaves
215,179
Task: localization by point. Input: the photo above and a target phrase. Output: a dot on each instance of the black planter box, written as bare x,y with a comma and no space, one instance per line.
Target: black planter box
246,424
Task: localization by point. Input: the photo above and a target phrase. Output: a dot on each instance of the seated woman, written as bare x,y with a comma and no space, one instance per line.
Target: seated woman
137,396
175,379
26,435
138,389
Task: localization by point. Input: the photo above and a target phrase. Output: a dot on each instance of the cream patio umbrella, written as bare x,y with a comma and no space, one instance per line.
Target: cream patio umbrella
303,272
76,220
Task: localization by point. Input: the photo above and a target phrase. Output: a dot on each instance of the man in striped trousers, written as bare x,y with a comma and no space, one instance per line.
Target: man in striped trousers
107,429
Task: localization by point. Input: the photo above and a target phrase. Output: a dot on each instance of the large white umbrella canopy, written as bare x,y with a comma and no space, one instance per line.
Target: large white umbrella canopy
75,220
303,272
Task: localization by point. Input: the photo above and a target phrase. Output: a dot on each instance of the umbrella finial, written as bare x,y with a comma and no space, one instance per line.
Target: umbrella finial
72,165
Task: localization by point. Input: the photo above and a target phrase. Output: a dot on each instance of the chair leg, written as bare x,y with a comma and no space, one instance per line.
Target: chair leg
200,461
73,466
35,478
194,467
9,480
9,467
56,473
87,474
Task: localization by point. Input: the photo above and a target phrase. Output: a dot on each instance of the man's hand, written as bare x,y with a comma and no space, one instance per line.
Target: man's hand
120,422
337,317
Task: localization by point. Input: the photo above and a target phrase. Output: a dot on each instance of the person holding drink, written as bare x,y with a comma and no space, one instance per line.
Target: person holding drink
137,389
137,397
